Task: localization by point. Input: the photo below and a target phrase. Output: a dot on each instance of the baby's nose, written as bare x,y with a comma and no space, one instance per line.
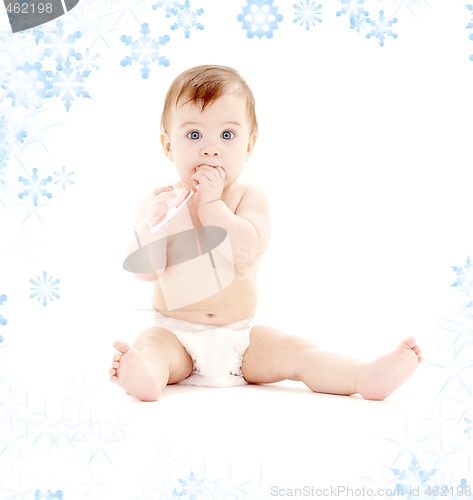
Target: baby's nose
210,150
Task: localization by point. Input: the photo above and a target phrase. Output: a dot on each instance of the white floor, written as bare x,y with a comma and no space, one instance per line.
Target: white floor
68,433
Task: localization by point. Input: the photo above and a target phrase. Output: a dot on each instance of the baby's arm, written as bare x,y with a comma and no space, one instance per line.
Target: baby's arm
150,209
247,228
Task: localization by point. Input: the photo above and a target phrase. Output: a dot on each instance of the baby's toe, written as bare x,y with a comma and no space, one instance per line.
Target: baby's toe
121,346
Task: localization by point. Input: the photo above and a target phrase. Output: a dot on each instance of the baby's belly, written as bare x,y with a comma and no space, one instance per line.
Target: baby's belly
234,303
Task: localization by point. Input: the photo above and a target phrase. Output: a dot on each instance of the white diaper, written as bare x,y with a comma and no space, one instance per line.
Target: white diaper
217,351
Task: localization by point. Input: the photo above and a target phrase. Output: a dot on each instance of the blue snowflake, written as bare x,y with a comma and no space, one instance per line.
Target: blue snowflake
145,50
416,482
35,187
190,488
260,18
412,477
307,13
167,5
381,28
67,82
44,288
356,13
186,18
88,61
464,278
41,495
61,46
63,178
27,85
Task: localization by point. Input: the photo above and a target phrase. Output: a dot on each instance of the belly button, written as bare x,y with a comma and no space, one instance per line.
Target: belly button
210,315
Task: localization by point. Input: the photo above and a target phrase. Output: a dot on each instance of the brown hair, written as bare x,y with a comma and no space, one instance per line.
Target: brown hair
203,85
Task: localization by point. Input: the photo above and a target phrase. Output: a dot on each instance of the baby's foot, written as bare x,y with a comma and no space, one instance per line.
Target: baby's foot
384,375
131,372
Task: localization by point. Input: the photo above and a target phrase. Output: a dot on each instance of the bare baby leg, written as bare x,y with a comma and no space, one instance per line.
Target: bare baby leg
274,356
156,360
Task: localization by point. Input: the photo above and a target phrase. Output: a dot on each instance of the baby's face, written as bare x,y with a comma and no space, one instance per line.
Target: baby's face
219,136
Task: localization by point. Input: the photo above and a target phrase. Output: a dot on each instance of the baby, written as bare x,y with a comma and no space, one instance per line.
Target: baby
205,274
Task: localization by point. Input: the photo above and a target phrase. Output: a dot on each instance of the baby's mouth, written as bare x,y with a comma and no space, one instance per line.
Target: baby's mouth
196,169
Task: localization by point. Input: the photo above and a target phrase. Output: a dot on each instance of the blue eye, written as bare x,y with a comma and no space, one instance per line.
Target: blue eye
194,135
227,135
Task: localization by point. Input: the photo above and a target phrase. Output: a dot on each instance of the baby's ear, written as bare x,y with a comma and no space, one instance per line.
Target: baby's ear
166,142
251,146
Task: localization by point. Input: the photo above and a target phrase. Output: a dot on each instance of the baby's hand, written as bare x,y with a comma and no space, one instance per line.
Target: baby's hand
159,205
211,182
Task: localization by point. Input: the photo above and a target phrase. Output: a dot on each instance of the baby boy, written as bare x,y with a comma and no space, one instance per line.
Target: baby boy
203,332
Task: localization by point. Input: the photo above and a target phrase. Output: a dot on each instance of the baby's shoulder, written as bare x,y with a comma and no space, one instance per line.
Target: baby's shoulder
245,198
242,190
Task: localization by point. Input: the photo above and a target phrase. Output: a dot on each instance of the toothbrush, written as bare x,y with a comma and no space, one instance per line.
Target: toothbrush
165,218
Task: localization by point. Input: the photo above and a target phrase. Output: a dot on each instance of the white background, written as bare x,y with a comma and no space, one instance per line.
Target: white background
365,155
